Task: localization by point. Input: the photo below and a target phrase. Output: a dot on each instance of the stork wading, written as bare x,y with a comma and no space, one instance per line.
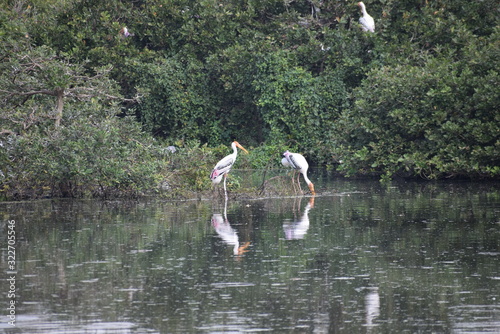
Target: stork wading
224,166
298,163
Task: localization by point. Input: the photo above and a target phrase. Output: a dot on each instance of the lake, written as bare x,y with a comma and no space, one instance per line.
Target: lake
360,257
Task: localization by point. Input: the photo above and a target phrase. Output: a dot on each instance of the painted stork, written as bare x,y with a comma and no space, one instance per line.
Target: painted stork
367,22
224,166
298,163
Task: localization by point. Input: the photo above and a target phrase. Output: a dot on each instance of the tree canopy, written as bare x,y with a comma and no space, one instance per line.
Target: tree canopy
418,97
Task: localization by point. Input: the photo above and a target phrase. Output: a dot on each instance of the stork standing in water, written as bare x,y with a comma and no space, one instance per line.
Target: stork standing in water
224,166
298,163
366,21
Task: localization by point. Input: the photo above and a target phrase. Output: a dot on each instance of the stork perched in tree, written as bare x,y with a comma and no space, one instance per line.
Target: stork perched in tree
125,33
224,166
298,163
366,21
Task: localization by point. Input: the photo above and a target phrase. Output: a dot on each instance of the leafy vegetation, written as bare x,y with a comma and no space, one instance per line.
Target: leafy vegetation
88,111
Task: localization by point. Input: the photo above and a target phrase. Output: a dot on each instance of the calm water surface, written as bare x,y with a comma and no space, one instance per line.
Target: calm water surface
360,257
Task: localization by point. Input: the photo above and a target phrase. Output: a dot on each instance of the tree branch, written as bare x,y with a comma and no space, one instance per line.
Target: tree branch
29,93
7,132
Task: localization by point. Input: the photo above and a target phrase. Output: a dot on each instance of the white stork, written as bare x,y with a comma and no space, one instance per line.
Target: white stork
367,22
298,163
224,166
125,33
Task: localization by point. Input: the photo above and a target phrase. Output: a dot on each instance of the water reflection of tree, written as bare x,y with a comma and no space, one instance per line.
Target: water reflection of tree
426,248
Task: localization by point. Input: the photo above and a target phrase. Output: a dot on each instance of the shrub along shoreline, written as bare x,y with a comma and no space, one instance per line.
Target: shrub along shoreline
82,169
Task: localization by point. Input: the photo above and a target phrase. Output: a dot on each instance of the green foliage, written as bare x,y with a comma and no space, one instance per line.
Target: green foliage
269,156
437,120
232,73
177,104
418,97
192,164
295,105
107,157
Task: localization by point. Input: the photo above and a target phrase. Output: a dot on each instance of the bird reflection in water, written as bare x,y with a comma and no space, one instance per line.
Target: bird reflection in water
372,306
297,229
227,233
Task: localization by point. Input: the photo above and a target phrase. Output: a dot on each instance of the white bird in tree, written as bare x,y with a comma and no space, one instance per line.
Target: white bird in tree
367,22
125,33
298,163
224,166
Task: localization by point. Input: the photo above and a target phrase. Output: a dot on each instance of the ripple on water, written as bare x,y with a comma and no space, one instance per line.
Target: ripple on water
475,318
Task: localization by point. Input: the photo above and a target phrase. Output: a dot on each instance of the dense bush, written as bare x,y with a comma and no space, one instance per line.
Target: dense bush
107,157
178,104
297,105
439,119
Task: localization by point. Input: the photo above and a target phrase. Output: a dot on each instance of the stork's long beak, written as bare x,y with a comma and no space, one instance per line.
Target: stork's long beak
311,188
238,145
